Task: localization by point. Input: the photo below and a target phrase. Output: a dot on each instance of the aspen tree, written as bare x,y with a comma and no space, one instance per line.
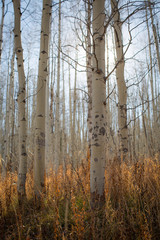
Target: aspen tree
21,100
52,107
47,127
78,131
83,128
134,137
10,114
39,154
6,137
1,29
154,107
155,35
57,117
12,134
73,139
98,146
108,100
70,109
63,123
150,68
122,89
89,71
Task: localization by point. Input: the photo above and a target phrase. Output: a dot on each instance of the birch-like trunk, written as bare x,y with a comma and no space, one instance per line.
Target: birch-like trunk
57,117
155,131
122,89
21,99
98,144
155,35
73,139
1,29
39,154
64,124
89,72
6,137
52,107
70,112
10,114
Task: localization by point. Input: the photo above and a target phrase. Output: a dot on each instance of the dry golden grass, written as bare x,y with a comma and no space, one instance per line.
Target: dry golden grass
132,209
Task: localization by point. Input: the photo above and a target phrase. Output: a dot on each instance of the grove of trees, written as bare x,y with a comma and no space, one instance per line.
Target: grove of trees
80,118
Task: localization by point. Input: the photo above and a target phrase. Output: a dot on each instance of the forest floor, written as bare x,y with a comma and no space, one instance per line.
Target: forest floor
131,211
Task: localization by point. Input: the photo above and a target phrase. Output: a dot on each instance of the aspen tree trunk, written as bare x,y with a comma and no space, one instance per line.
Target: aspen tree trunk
78,133
98,146
57,118
73,139
47,127
83,129
134,137
10,114
51,94
89,72
39,161
147,145
52,107
12,136
155,35
1,29
70,112
63,124
21,100
6,138
108,102
122,90
138,139
151,131
12,111
150,69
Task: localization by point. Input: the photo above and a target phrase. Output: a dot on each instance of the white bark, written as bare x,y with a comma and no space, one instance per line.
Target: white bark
89,72
57,117
122,90
155,35
6,138
1,29
98,144
21,100
64,124
73,139
70,112
39,161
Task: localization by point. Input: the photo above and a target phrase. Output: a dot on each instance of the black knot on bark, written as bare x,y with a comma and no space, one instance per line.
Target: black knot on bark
102,131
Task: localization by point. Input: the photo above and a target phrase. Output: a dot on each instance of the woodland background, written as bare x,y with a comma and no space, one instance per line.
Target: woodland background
79,119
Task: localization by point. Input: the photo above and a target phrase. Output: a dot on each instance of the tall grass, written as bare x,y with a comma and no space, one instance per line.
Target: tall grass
132,208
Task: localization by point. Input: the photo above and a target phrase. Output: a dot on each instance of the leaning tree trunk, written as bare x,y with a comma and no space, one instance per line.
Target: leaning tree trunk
98,148
21,100
39,161
122,89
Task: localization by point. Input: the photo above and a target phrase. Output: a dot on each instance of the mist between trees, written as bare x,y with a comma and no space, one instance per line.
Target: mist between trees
79,88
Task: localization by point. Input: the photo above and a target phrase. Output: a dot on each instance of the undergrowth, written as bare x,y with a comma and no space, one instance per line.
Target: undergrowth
132,208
